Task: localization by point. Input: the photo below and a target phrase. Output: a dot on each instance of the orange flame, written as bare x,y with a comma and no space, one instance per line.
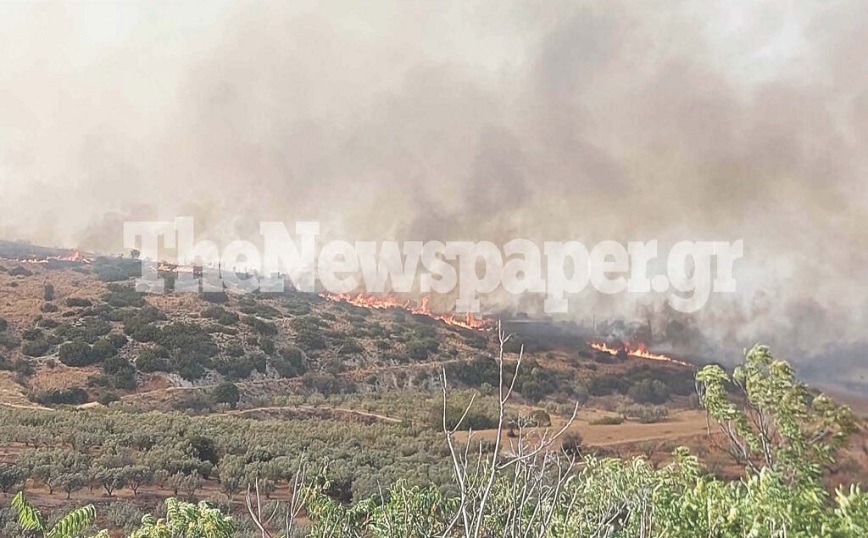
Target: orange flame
376,302
75,257
639,350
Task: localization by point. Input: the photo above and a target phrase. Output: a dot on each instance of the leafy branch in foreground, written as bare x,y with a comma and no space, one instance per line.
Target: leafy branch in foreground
72,525
776,422
187,520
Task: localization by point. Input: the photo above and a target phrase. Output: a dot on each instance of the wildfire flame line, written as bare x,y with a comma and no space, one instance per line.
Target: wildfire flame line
467,321
75,257
639,350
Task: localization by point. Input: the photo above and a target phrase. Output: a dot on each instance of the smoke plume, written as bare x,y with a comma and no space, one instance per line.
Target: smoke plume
554,121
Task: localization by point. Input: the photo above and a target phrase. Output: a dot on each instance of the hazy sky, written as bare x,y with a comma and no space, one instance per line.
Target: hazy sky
434,120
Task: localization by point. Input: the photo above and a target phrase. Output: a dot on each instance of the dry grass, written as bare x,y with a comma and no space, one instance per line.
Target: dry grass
681,425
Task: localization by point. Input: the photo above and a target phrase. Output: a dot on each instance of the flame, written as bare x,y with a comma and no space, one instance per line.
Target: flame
639,350
74,257
377,302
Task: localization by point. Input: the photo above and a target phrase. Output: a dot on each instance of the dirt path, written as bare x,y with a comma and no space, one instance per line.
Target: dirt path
313,408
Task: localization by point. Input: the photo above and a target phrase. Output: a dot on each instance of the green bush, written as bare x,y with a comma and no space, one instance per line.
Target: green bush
310,340
421,348
220,315
227,393
261,326
646,414
73,396
121,296
78,302
609,420
475,418
153,360
116,269
190,348
35,348
650,391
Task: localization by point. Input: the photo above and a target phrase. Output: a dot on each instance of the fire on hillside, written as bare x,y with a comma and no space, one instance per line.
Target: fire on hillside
381,302
639,350
74,257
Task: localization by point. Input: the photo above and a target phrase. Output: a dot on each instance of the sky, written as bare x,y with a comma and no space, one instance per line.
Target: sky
463,120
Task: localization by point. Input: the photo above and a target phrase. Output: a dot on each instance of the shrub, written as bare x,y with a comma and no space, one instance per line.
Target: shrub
8,341
116,364
117,340
220,315
645,414
116,269
420,349
121,296
48,308
267,345
227,393
310,340
73,396
150,360
47,323
350,346
35,348
107,398
103,349
608,420
649,391
240,367
186,337
289,363
475,419
78,302
324,383
261,326
77,353
33,334
20,270
540,418
571,444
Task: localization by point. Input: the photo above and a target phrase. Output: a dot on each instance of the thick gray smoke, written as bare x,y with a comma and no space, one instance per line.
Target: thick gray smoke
565,120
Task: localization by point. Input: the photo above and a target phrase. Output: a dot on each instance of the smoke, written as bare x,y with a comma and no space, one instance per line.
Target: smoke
586,121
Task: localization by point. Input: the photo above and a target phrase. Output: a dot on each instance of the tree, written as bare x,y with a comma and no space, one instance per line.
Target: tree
227,393
778,423
190,484
136,476
232,474
110,479
203,449
70,482
11,475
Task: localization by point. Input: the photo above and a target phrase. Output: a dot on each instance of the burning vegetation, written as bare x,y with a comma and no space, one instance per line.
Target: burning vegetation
638,350
467,321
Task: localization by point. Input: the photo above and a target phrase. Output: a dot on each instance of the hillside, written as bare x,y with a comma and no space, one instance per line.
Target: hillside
66,329
123,399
